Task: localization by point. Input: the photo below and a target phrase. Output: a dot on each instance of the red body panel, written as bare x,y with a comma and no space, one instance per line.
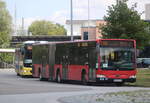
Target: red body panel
116,74
37,68
75,71
46,72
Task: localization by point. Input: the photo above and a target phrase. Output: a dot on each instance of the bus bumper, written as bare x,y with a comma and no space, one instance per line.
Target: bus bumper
26,71
111,80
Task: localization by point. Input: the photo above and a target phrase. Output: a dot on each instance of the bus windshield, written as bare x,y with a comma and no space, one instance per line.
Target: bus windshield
28,54
28,62
28,58
117,58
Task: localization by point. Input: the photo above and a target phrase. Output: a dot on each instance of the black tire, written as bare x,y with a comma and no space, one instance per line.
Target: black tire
84,80
22,76
40,77
18,74
58,77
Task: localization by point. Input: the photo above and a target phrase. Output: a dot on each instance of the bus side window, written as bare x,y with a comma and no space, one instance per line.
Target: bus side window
92,57
82,56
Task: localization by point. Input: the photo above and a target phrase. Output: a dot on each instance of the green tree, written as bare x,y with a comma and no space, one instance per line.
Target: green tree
125,23
43,27
5,25
5,30
6,57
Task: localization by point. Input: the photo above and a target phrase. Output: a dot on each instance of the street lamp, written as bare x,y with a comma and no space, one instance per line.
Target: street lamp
88,18
71,17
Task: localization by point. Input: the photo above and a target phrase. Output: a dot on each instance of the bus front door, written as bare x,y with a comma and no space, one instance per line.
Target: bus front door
52,49
92,64
65,68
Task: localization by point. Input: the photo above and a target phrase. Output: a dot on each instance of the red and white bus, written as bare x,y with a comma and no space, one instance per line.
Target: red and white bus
102,60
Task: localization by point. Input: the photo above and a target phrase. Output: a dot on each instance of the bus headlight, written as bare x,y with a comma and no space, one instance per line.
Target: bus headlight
101,76
24,71
132,76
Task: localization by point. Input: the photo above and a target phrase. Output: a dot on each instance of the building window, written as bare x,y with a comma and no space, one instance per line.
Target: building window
85,35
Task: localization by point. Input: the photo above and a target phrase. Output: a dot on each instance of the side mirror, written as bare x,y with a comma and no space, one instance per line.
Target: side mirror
22,51
97,48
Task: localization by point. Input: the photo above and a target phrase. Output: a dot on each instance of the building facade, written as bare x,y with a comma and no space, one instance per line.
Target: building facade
88,30
147,12
77,24
88,33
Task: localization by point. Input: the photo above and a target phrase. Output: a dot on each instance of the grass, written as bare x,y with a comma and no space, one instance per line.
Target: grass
143,78
129,93
139,96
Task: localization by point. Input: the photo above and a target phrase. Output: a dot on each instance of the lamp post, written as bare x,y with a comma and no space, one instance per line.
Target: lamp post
15,23
71,17
88,18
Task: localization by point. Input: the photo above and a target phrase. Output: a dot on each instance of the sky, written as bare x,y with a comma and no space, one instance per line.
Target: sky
58,11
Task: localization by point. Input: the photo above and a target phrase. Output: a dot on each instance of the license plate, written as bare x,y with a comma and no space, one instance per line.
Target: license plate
117,80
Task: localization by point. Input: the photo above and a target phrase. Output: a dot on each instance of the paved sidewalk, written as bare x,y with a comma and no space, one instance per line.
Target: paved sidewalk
63,97
140,96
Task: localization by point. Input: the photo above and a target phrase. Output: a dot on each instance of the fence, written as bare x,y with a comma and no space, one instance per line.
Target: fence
6,65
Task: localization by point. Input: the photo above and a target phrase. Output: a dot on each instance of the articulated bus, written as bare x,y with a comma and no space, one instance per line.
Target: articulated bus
100,61
23,59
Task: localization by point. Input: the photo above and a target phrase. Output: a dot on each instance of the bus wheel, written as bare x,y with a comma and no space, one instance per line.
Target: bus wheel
23,76
18,74
58,78
40,77
84,80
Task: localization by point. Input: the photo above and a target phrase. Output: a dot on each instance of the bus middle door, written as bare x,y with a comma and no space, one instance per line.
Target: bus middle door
43,70
65,68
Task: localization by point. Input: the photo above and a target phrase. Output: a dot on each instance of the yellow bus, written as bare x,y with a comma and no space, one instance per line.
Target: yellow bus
23,59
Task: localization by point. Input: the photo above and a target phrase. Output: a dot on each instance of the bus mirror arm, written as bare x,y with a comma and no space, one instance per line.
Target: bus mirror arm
87,63
68,63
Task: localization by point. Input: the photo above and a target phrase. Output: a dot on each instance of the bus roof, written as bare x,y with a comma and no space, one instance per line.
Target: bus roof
33,42
78,41
28,42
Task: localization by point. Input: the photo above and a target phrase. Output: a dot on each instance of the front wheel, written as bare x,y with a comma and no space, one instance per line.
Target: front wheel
40,77
58,78
84,80
18,74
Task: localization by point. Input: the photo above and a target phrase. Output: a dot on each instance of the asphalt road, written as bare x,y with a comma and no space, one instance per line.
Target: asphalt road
14,89
12,84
